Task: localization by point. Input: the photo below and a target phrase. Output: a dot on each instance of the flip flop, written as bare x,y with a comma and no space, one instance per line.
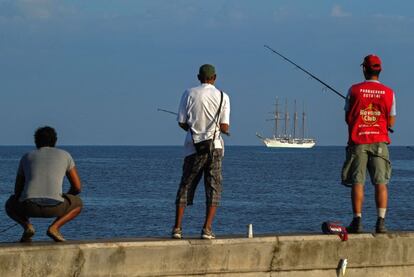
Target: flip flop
55,235
28,233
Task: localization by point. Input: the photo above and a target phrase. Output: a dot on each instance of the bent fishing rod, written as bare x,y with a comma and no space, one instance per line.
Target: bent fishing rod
311,75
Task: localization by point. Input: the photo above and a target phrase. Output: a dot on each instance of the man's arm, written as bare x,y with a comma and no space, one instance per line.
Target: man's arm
225,115
224,128
74,180
182,112
19,184
391,121
184,126
347,105
393,113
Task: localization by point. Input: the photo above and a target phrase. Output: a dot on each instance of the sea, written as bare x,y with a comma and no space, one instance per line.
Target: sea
129,192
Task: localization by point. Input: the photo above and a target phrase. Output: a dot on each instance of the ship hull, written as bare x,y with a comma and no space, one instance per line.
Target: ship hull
286,143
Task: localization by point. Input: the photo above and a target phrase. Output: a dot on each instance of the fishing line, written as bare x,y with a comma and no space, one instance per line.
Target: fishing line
8,228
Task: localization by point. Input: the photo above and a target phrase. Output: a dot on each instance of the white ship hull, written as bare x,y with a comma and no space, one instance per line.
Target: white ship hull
288,143
288,139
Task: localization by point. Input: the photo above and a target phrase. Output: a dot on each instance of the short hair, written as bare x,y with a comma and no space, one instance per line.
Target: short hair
206,72
372,72
45,136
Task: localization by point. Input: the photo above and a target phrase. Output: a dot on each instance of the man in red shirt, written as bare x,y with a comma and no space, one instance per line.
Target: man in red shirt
369,112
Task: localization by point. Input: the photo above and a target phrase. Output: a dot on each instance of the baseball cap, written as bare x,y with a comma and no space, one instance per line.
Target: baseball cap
372,61
207,71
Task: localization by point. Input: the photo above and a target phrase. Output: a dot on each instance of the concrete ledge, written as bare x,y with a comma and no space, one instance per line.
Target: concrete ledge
306,255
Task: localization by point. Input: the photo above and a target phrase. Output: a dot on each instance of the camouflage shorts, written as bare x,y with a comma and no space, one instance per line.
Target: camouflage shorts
193,169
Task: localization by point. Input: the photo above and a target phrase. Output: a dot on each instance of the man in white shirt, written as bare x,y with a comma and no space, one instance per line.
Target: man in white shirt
204,113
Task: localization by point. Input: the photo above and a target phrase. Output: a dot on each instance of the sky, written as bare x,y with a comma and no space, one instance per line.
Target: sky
97,70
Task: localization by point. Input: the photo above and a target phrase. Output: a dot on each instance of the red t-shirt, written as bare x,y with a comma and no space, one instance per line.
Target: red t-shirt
368,113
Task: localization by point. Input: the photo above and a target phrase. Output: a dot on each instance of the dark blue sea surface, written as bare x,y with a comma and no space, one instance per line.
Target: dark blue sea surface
130,192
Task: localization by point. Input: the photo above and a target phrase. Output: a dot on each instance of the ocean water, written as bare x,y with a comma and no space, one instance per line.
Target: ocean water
129,192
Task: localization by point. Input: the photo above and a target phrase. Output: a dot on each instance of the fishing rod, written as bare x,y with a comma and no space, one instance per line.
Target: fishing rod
312,76
167,111
307,72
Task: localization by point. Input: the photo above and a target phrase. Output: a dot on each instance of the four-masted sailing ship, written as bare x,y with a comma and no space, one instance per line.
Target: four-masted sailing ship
287,139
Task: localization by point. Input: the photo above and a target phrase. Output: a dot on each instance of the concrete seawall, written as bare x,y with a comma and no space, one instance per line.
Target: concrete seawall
281,256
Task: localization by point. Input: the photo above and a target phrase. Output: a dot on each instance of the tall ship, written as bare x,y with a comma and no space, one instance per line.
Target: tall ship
286,138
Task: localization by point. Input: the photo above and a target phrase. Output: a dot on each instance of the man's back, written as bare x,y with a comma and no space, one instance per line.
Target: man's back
44,170
200,106
370,105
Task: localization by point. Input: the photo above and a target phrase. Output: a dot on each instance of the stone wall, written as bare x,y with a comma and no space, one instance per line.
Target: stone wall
281,256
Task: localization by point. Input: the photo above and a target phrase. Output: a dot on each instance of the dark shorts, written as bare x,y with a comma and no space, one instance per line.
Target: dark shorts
360,158
30,209
193,169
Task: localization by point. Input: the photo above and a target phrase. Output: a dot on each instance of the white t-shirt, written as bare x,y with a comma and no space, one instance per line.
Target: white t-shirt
198,108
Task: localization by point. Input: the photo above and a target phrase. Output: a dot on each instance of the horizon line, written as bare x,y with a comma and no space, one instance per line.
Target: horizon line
171,145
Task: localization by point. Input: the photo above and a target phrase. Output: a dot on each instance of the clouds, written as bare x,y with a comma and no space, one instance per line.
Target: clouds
393,17
40,9
337,11
33,9
129,56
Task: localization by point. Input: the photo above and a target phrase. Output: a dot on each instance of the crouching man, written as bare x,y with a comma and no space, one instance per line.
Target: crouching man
38,187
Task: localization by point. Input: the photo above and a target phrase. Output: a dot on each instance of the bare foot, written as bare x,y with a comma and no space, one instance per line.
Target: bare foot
55,234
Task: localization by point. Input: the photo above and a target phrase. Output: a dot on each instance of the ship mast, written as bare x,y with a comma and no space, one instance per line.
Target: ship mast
295,122
276,115
286,119
303,121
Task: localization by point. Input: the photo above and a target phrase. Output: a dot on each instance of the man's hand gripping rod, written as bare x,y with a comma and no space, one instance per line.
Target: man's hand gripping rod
313,76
